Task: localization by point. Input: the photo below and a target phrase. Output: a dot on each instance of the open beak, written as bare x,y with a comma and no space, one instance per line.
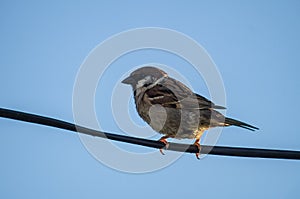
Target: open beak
128,80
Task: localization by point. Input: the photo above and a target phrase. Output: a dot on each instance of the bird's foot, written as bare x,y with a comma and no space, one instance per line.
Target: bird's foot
197,144
163,140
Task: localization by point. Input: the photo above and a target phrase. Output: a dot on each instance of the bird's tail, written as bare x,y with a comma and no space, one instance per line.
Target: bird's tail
230,121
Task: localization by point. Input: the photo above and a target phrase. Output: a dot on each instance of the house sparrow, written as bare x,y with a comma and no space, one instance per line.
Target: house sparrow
172,109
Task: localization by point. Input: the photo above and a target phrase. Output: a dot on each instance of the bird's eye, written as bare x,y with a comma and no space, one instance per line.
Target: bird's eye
140,76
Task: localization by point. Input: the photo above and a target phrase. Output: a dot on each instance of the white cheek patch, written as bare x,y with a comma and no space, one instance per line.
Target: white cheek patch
148,80
142,82
156,82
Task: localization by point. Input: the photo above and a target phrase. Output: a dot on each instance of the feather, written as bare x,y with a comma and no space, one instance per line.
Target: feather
173,93
230,121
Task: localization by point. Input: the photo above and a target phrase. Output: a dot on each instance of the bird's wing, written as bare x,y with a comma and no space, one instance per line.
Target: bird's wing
205,102
174,94
162,95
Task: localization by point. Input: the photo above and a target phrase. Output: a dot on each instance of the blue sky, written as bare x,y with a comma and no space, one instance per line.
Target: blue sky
254,44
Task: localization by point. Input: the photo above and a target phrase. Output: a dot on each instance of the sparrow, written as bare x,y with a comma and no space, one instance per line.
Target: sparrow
174,110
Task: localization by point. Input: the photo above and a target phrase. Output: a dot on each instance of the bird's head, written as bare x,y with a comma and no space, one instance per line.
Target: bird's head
144,77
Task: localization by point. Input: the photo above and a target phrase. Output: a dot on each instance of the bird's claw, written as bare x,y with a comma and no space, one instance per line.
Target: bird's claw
161,151
199,149
163,140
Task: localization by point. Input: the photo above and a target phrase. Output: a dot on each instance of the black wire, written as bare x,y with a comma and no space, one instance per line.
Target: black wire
205,149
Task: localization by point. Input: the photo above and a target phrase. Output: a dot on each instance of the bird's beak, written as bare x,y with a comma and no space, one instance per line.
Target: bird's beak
128,80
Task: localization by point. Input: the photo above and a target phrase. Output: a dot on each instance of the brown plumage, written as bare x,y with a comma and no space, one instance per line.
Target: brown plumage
172,109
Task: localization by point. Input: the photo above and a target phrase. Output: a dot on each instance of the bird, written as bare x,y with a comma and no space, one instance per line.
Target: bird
174,110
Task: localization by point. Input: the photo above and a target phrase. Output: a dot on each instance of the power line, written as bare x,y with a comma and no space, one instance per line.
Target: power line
205,149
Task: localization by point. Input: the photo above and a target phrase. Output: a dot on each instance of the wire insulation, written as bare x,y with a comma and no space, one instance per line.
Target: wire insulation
205,149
